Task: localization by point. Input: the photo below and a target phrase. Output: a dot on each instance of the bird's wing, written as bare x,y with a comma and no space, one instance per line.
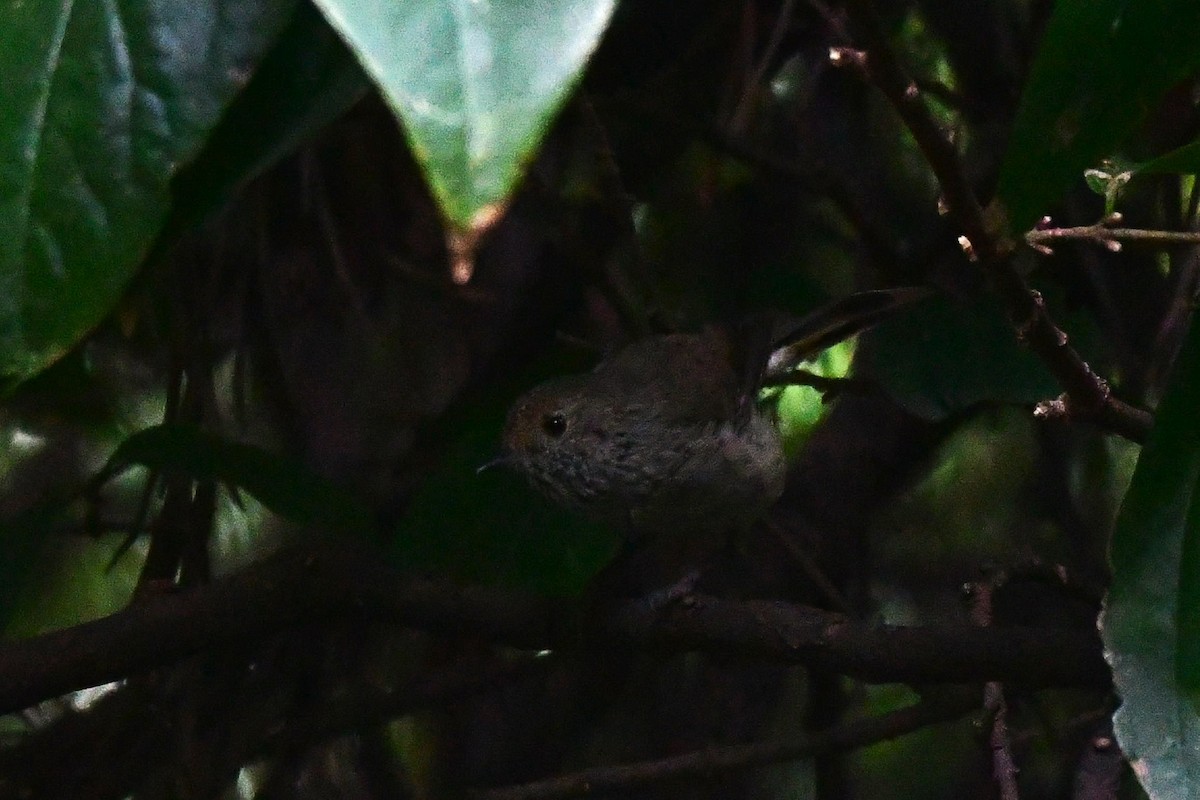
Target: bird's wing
836,321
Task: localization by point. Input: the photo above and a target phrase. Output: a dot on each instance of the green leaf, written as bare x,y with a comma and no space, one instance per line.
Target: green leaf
1151,623
475,84
943,356
100,105
76,581
21,536
307,80
1185,159
283,486
1097,180
1103,65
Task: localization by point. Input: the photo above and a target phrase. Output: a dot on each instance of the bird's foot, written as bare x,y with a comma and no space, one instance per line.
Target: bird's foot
675,592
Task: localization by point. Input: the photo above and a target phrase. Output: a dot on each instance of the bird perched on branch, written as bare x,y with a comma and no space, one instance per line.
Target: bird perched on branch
666,439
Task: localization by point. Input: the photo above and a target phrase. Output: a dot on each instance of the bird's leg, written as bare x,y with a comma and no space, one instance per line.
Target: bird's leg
675,592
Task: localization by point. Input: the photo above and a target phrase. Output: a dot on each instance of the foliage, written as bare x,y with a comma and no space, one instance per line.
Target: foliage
1151,623
272,271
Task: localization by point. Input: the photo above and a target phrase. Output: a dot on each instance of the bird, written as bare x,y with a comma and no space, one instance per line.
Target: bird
667,439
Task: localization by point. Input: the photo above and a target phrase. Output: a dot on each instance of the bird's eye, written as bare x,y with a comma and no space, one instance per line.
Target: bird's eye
555,425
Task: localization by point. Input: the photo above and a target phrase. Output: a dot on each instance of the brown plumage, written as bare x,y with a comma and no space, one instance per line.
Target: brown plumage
667,434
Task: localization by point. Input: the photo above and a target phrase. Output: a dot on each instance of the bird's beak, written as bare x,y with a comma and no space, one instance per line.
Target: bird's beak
504,459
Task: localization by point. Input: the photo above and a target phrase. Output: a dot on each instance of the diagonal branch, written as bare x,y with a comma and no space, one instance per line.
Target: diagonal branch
1087,394
724,759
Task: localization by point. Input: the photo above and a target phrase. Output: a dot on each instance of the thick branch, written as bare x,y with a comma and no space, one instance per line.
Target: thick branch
1089,394
873,653
294,587
303,585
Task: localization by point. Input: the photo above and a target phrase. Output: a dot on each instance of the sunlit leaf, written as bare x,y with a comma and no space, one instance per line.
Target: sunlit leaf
475,83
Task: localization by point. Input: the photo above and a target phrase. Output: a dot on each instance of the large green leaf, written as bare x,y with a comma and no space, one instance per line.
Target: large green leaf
99,106
1151,623
306,81
945,356
1103,64
475,83
1184,159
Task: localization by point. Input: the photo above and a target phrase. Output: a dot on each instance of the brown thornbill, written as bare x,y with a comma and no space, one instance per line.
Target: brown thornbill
667,436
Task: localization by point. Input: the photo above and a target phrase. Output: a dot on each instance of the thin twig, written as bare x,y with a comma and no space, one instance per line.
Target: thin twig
1107,236
1004,767
740,115
808,175
703,763
983,240
352,708
615,279
1180,307
810,568
1098,773
885,71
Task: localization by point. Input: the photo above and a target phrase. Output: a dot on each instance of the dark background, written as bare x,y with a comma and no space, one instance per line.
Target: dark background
322,379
